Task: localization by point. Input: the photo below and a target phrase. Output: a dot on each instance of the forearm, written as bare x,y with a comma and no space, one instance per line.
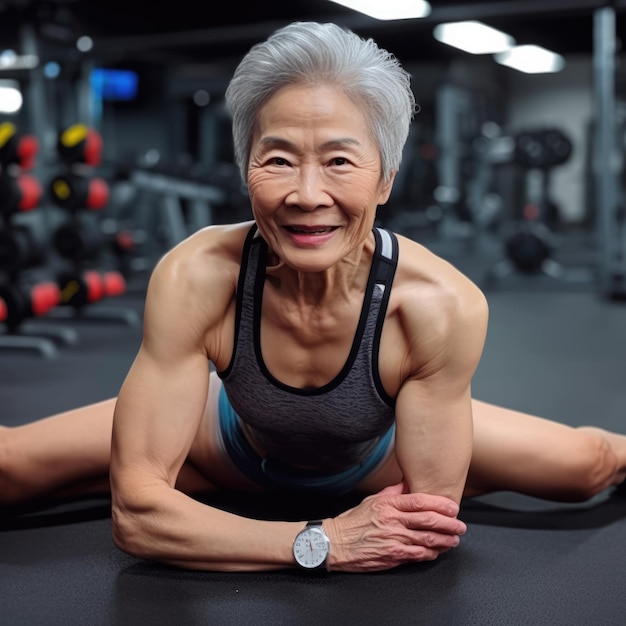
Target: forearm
167,526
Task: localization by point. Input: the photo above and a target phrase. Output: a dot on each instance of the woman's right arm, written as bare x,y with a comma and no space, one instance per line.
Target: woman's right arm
158,414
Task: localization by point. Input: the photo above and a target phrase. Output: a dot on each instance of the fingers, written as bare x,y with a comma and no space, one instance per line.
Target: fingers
425,502
392,528
432,520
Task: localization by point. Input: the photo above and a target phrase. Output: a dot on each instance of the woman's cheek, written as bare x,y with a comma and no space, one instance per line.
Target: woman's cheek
356,186
255,182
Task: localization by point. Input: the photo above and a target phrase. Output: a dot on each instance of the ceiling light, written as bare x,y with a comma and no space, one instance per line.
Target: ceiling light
84,43
10,60
531,60
474,37
10,97
388,9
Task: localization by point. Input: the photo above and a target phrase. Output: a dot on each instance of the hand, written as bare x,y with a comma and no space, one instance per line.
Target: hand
393,527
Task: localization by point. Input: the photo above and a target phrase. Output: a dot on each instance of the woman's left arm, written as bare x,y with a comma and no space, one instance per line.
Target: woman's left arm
434,427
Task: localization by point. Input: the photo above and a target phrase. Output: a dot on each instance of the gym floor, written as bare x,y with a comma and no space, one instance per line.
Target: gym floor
556,352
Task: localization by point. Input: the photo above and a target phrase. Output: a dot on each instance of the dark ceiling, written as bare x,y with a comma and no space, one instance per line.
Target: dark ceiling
186,31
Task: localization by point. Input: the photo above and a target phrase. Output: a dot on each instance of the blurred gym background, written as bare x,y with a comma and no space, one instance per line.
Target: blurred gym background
115,145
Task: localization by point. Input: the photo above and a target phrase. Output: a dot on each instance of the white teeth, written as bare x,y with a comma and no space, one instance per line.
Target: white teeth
308,231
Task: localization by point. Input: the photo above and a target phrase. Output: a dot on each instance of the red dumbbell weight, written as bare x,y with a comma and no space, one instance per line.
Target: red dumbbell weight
80,144
44,297
71,191
23,301
16,149
19,193
80,289
114,284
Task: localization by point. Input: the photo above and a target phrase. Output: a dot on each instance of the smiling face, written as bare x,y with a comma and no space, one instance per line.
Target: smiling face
314,176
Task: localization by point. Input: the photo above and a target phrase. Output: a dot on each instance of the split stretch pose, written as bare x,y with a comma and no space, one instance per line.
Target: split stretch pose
306,351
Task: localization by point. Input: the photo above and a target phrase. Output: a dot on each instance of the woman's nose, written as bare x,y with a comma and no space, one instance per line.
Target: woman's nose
309,192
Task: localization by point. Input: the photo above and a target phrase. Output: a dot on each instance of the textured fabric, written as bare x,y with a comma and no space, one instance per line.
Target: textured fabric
332,427
280,477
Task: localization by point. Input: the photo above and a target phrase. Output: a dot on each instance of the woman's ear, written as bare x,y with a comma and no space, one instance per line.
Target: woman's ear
386,188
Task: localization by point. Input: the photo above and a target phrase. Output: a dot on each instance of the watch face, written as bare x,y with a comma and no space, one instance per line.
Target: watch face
310,548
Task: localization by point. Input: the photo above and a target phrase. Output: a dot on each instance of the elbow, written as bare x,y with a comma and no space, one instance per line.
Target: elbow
133,522
126,529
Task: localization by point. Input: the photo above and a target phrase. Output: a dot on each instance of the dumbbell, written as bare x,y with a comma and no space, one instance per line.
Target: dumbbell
24,300
79,289
542,149
19,248
19,193
79,239
80,144
16,149
114,283
529,247
73,191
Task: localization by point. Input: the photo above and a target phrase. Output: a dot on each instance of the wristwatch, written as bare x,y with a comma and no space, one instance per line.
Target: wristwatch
311,547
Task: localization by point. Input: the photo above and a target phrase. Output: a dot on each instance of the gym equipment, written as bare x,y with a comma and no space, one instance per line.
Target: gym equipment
529,239
19,193
82,238
23,300
23,306
529,247
19,249
412,208
79,143
73,191
79,239
608,158
184,205
23,295
542,149
80,289
16,149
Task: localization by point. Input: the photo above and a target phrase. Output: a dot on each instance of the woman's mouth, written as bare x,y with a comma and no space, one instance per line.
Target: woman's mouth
311,230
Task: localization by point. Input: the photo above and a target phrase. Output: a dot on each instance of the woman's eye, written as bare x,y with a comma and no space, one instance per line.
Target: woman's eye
278,161
339,161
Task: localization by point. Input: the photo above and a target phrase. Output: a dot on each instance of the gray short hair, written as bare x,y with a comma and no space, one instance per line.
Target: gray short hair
315,53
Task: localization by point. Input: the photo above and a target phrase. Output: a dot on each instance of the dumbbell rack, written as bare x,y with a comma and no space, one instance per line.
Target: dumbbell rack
79,240
23,298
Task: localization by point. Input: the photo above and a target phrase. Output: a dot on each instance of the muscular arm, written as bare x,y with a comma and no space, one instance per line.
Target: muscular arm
156,418
440,318
434,434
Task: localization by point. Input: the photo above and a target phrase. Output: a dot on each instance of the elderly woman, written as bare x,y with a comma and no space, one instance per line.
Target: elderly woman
307,351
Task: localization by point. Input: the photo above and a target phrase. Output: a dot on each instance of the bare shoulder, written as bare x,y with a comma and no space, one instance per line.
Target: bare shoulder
210,256
423,275
440,311
192,287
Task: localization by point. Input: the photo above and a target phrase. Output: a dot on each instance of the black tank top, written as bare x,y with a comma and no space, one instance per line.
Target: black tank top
331,427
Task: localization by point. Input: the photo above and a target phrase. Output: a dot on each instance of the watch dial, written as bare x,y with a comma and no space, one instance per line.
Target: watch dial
310,548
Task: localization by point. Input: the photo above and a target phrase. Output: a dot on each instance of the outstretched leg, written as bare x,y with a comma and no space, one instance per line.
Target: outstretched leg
67,451
67,454
514,451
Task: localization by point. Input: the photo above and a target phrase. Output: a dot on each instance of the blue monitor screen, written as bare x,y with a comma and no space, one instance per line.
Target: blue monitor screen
113,84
